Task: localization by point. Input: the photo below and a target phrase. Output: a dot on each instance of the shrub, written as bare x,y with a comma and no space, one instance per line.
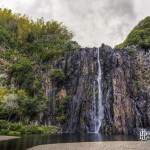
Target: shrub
57,76
61,109
131,51
6,38
22,72
3,91
61,118
14,133
4,132
17,129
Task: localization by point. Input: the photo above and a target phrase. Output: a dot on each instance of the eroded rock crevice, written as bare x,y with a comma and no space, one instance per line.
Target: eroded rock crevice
125,89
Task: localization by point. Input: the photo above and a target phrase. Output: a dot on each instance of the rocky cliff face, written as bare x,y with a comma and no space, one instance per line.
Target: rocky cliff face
83,86
131,73
80,69
125,90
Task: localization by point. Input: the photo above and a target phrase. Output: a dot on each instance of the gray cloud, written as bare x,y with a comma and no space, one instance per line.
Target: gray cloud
92,21
99,21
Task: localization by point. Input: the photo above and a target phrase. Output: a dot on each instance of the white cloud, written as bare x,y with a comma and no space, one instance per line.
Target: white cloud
92,21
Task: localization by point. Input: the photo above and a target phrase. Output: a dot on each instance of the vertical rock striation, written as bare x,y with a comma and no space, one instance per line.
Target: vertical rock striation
129,82
125,89
82,72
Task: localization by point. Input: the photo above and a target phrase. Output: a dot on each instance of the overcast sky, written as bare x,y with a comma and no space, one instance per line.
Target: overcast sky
92,21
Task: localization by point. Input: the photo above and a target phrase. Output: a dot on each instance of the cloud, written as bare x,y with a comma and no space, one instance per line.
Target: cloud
98,21
92,21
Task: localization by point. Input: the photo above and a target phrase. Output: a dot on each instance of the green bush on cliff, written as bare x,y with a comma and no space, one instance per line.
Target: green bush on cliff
61,110
6,39
139,36
57,76
72,45
22,73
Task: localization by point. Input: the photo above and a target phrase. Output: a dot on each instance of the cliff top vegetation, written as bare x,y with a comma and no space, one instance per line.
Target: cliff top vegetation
139,36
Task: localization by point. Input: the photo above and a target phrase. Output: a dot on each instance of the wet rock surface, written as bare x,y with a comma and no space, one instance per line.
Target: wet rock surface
125,89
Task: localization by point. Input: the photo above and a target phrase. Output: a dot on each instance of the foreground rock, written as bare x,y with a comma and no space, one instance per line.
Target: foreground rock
96,146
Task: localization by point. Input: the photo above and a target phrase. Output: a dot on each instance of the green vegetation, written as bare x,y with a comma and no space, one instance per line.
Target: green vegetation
62,108
18,129
28,50
139,36
39,39
17,105
57,76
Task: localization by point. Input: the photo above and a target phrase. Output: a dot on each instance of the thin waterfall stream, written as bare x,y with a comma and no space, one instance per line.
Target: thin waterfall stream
99,112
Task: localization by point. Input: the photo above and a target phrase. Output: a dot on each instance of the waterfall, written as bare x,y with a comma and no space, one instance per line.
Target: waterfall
99,112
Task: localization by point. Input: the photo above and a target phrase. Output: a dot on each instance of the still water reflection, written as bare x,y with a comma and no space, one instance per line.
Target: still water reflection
34,140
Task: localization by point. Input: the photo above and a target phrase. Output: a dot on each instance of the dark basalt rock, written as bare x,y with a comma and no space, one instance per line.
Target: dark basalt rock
125,89
80,84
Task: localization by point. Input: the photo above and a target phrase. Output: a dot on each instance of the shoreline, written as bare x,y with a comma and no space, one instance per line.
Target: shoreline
115,145
5,138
